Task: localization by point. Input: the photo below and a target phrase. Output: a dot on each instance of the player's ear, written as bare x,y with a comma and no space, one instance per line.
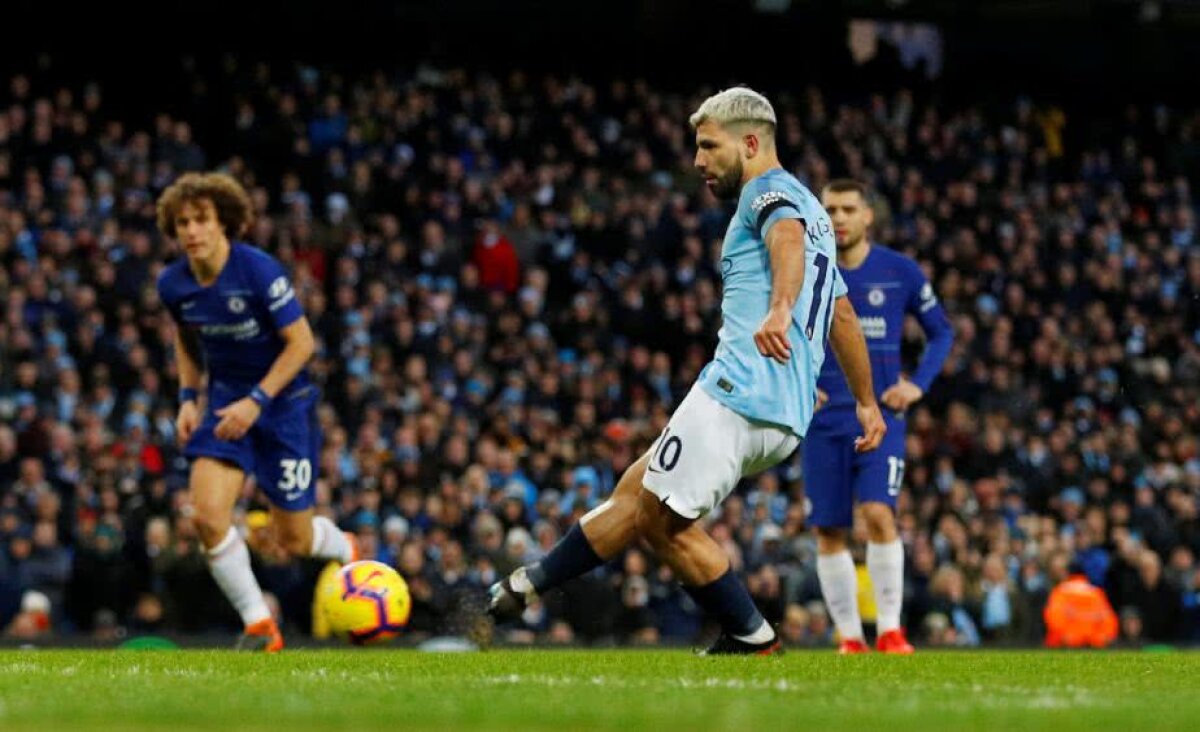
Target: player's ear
750,144
870,213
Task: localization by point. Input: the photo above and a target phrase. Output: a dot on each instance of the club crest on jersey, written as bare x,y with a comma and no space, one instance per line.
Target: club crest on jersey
876,297
236,304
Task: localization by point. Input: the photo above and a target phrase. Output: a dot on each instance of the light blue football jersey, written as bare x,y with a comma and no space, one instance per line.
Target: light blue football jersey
753,385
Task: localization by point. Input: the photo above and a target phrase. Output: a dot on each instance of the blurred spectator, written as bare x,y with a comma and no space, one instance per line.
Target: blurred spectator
496,259
47,569
1003,614
1158,603
1131,627
33,620
949,600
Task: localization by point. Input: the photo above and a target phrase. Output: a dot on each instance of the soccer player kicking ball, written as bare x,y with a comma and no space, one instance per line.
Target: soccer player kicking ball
752,404
883,285
237,313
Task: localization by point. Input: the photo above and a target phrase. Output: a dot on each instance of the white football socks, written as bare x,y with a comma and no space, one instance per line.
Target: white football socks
329,542
229,562
839,584
519,581
764,633
885,564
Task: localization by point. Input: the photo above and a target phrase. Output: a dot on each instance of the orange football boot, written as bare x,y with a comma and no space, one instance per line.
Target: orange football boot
894,641
853,646
261,636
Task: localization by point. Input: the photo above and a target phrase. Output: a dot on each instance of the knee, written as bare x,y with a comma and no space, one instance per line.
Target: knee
210,525
881,522
830,541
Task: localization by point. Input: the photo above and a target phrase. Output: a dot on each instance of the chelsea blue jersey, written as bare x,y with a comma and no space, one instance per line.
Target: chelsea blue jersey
885,287
756,386
238,317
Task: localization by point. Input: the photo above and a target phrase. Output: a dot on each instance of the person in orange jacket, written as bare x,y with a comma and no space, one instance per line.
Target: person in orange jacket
1078,613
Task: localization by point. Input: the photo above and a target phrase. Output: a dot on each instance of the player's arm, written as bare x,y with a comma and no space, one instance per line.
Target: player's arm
187,358
850,348
939,339
299,346
785,245
187,362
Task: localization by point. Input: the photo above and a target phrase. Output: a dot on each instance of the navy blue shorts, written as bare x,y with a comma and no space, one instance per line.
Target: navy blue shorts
282,449
835,476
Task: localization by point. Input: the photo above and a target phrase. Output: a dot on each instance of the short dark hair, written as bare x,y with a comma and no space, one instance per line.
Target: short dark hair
848,185
234,209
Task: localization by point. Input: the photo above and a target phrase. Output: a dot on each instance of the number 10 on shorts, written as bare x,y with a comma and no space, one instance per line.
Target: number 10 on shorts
669,448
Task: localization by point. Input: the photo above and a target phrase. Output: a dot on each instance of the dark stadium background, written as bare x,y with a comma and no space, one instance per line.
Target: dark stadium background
1091,59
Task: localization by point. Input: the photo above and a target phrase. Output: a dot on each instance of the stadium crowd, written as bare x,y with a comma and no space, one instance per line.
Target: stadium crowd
514,279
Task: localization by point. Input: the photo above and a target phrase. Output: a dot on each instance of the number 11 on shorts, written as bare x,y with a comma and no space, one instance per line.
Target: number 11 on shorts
895,475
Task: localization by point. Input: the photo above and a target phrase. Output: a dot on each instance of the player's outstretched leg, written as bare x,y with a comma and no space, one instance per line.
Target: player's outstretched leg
701,565
839,585
885,565
600,535
214,487
303,534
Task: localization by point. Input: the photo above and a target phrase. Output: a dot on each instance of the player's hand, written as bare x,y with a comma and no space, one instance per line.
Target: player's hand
822,399
772,335
873,426
186,422
902,395
237,419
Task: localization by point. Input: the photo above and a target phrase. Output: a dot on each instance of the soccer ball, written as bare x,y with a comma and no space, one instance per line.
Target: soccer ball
367,602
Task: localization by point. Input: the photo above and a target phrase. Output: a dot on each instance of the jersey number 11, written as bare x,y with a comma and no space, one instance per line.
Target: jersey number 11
822,263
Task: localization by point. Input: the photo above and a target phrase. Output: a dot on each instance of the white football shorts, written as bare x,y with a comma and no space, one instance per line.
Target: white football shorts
706,449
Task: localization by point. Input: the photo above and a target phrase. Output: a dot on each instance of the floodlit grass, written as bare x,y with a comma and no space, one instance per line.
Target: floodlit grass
571,690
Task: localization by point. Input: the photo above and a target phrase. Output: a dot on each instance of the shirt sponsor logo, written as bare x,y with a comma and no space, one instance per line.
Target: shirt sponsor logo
766,199
874,328
245,330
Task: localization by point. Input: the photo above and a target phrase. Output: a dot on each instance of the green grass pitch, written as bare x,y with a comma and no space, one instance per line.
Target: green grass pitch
571,690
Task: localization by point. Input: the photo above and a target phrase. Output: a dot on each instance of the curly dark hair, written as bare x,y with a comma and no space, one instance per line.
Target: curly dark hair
230,199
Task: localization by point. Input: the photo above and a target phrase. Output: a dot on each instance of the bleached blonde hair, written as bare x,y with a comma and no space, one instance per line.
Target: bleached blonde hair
738,104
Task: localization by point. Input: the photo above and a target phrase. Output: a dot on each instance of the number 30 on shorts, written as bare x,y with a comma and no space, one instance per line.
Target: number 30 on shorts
895,475
296,474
